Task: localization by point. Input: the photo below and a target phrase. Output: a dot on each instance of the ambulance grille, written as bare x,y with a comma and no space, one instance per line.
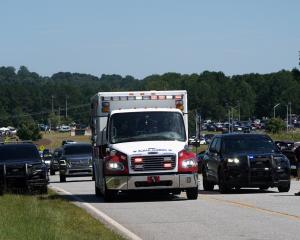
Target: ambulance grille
154,163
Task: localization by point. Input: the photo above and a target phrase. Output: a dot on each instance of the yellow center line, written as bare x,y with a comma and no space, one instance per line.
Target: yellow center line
250,206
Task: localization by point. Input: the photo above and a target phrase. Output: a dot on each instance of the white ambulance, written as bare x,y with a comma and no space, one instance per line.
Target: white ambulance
140,143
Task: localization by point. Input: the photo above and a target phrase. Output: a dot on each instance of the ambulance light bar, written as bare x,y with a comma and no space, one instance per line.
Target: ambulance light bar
142,97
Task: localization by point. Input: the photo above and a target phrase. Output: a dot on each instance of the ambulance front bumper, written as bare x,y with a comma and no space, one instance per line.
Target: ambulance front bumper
154,181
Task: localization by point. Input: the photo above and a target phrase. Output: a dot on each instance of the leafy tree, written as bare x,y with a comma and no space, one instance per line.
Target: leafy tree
275,125
53,120
29,130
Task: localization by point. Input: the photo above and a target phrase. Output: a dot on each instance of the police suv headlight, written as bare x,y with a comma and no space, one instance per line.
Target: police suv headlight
233,161
281,161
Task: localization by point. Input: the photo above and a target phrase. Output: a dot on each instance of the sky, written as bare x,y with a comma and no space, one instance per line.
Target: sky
144,37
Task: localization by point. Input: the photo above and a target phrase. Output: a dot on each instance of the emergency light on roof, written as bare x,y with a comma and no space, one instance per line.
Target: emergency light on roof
146,97
105,107
106,100
179,105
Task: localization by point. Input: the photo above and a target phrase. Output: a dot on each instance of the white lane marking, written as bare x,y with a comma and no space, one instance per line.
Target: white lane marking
101,215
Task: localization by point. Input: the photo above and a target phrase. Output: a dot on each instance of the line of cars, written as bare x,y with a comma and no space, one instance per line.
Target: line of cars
72,159
8,131
62,128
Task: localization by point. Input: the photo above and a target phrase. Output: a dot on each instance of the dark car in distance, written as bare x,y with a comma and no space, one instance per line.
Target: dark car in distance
245,160
76,160
22,168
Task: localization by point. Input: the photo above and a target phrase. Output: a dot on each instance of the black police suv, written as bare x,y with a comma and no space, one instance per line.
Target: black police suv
22,167
245,160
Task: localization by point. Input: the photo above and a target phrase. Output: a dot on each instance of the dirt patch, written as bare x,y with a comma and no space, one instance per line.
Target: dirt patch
45,142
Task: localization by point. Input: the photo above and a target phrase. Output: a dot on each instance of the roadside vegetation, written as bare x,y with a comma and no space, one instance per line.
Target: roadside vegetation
26,94
54,139
47,217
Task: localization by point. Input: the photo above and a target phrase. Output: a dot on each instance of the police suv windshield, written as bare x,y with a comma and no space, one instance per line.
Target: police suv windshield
146,126
19,152
248,143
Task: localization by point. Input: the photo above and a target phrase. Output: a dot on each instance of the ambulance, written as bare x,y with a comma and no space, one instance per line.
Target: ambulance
140,143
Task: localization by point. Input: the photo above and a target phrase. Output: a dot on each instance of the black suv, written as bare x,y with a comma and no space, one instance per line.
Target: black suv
245,160
22,168
76,160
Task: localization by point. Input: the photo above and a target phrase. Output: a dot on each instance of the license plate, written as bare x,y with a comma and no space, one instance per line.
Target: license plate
153,179
293,167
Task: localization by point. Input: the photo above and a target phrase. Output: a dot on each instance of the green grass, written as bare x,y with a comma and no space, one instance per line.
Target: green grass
290,136
47,217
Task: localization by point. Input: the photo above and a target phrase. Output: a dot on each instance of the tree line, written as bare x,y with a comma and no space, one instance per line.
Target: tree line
27,95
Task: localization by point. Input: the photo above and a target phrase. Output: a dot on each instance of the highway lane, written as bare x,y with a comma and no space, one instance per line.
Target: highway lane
246,214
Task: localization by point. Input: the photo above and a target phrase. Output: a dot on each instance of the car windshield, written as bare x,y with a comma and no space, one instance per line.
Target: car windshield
248,144
19,152
146,126
79,149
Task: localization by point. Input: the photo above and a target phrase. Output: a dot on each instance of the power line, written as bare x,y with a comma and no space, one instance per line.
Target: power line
44,112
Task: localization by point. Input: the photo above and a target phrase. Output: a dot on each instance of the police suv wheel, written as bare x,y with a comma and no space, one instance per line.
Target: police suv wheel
284,188
207,185
223,188
62,178
97,191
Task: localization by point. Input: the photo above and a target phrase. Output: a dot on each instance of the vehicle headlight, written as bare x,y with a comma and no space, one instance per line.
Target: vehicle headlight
188,163
281,161
115,166
233,161
90,162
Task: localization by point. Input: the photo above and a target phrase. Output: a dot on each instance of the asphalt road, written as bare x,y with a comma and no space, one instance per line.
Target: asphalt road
246,214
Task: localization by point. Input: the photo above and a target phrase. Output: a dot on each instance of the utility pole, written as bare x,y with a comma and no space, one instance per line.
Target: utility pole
287,117
290,113
52,97
299,59
59,114
275,108
67,106
229,120
196,122
239,104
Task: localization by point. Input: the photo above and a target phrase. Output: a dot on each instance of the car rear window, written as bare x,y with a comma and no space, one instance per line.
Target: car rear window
19,152
77,149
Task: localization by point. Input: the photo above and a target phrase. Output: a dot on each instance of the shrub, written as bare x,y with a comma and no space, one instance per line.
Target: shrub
275,125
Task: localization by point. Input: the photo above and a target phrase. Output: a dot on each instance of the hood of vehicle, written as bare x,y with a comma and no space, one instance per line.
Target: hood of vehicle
21,162
253,154
149,147
77,157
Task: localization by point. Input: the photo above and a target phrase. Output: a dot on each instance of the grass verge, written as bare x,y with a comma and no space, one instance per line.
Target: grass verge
47,217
